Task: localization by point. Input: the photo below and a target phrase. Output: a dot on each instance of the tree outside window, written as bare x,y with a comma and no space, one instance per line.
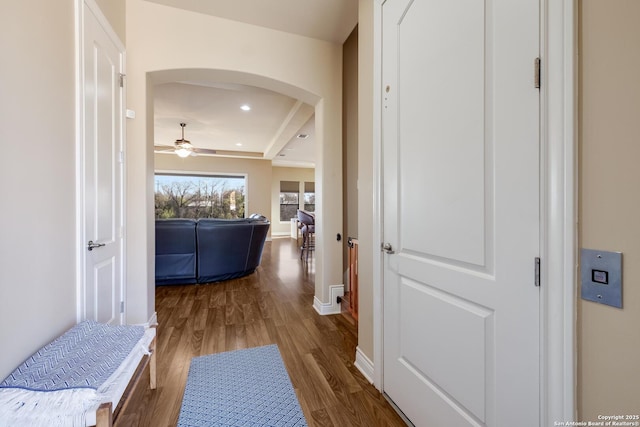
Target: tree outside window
310,196
199,196
289,199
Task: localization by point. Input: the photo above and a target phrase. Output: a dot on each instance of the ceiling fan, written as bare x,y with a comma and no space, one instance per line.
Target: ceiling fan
183,147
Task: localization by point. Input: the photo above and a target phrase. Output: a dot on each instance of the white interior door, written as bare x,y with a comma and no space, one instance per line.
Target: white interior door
102,114
461,211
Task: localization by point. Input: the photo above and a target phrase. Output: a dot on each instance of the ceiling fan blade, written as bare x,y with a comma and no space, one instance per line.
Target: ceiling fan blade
234,153
162,148
204,151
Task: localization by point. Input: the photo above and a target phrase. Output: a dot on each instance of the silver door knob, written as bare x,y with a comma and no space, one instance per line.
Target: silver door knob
91,246
387,248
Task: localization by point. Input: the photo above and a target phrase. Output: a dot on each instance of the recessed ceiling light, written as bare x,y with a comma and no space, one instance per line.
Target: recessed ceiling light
239,144
245,107
303,136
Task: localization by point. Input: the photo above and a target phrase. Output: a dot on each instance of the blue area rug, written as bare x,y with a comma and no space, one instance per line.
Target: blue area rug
248,387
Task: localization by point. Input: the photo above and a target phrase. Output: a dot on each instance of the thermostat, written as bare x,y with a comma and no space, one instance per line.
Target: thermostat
601,274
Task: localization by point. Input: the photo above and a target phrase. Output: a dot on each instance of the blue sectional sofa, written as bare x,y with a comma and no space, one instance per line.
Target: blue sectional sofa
208,250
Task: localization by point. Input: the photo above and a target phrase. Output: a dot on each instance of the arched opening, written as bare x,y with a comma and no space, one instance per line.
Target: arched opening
326,285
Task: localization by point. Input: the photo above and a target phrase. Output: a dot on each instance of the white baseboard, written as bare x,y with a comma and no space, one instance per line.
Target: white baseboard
364,365
331,307
281,233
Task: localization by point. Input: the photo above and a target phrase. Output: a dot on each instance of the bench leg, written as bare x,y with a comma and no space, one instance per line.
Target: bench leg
104,415
152,366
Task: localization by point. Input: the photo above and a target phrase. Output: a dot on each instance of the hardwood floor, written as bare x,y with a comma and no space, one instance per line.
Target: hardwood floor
271,306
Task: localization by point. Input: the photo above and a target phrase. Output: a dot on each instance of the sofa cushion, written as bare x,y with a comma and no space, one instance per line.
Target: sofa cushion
258,237
222,249
175,251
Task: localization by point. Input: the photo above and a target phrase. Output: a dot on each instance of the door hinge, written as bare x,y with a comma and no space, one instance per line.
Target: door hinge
122,76
536,274
537,71
121,306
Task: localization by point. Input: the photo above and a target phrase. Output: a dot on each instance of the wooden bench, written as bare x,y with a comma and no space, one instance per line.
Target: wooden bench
75,356
105,414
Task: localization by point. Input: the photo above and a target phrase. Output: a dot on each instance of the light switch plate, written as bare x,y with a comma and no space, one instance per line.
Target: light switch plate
601,276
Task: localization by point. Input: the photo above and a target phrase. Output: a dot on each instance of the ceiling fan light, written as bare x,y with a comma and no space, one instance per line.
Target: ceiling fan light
183,147
183,152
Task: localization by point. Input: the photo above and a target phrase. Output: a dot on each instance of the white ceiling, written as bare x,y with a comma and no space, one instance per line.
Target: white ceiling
215,121
212,111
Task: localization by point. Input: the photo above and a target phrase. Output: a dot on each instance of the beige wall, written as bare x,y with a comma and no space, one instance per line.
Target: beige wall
115,12
609,202
37,171
301,175
365,178
350,142
169,44
258,173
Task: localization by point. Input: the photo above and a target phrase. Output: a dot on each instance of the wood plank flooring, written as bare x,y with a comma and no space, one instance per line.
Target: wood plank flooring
271,306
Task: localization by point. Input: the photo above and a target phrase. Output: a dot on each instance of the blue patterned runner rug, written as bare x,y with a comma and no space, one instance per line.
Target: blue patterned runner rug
249,387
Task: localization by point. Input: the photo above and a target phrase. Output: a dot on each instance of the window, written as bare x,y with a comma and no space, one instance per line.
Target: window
310,196
199,196
289,199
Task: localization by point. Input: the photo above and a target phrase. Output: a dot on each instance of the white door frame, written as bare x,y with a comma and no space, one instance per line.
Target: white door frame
81,242
558,208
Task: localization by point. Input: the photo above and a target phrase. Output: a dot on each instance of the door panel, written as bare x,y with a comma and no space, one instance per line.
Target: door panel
461,210
456,126
103,186
106,301
457,364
